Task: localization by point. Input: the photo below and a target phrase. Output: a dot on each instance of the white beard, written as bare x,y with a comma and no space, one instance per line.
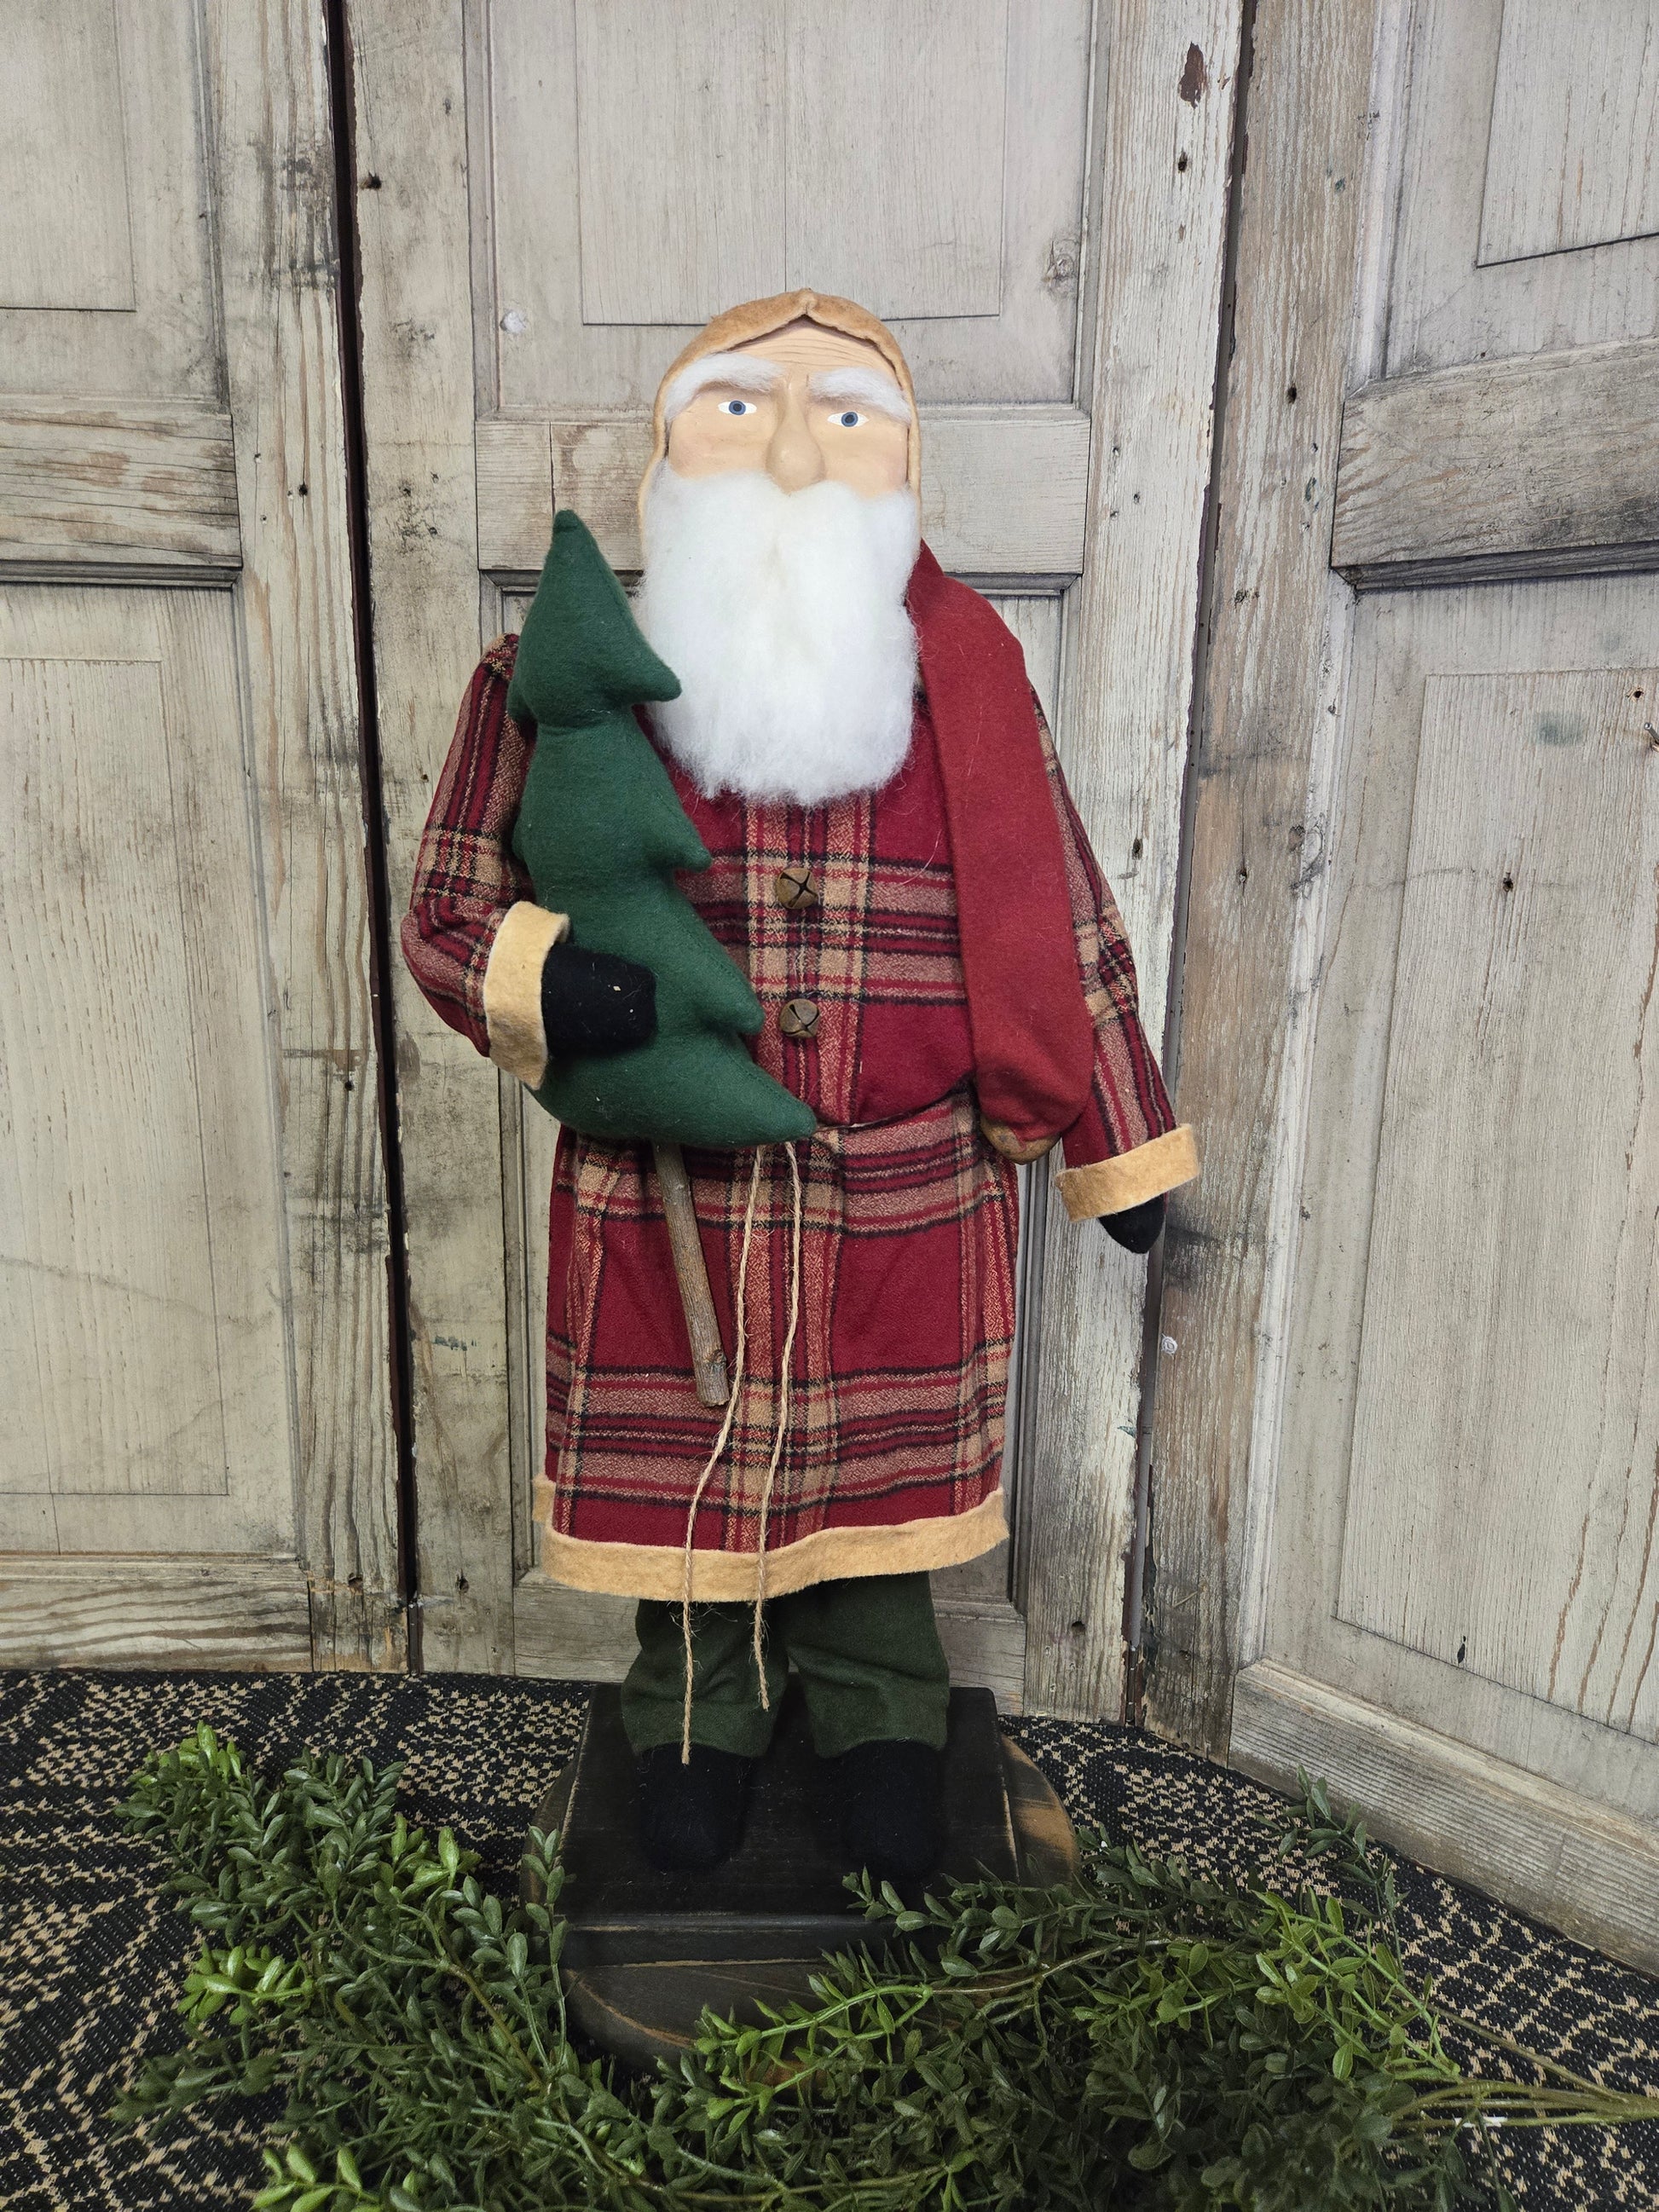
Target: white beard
782,614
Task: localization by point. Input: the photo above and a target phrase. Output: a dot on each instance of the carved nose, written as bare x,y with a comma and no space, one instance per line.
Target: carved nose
793,459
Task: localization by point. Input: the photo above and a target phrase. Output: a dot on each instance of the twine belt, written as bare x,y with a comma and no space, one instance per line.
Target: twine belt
779,1431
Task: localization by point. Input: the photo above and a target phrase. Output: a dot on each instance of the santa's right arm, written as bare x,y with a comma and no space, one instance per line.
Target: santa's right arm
475,939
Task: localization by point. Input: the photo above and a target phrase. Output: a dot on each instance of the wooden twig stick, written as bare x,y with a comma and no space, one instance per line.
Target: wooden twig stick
708,1353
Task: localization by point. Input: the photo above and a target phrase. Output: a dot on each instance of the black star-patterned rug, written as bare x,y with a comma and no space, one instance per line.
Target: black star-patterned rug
92,1954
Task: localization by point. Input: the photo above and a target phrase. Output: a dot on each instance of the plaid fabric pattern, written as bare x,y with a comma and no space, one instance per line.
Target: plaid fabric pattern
906,1298
900,1357
1128,1105
466,875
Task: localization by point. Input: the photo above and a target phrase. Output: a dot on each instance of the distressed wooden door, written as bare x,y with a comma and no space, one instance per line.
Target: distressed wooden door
551,198
198,1462
1407,1487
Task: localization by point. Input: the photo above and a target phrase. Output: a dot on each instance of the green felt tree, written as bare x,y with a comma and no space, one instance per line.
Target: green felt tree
602,835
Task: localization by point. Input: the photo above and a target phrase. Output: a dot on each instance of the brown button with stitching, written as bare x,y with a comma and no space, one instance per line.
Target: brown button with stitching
794,886
799,1018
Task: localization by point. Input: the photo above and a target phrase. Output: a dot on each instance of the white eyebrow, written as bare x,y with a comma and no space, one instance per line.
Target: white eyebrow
743,372
865,388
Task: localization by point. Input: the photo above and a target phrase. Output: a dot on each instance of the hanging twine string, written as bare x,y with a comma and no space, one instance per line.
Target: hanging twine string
712,1460
782,1428
780,1434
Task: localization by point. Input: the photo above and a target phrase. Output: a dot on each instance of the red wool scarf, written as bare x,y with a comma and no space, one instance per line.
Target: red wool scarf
1033,1039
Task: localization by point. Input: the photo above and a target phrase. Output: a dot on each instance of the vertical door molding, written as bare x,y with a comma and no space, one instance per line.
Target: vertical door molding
278,247
1166,146
414,215
194,1198
1275,636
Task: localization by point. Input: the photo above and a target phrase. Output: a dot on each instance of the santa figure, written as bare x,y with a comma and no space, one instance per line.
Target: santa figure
897,868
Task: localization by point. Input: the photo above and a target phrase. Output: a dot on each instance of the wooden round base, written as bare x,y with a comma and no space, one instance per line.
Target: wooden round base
644,2009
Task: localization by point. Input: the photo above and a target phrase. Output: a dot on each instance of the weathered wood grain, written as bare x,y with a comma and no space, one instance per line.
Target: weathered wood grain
119,484
1269,690
1314,724
1541,466
1404,647
681,151
143,1352
1448,301
267,96
902,114
1002,488
1505,1466
516,495
986,1645
67,238
751,191
108,280
195,1203
1165,163
117,1612
410,110
1591,1872
563,1635
1571,154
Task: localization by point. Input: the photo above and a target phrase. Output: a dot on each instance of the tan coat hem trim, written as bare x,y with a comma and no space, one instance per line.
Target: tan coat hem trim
833,1555
1111,1186
512,990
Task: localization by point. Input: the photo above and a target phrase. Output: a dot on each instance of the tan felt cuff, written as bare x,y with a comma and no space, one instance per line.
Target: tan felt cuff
657,1571
1113,1186
512,990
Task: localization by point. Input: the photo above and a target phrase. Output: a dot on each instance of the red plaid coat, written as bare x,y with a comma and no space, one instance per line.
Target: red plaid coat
893,1440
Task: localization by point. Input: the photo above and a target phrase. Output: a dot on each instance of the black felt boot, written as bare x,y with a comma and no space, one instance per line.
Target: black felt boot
891,1802
692,1817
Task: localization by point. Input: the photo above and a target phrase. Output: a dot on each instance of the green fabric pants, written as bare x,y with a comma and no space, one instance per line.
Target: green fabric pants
867,1651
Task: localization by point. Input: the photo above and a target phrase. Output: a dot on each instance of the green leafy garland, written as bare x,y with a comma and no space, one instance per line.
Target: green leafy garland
1138,2038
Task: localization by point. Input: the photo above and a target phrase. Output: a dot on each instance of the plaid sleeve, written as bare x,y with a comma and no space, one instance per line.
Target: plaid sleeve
474,938
1125,1147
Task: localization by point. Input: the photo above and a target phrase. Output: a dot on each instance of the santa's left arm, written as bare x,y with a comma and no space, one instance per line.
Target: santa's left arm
1125,1150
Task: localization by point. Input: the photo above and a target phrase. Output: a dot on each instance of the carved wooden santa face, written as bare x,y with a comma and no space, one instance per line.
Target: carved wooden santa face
780,529
805,405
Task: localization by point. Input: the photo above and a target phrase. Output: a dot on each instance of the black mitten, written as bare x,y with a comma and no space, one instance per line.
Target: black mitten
592,1002
1138,1228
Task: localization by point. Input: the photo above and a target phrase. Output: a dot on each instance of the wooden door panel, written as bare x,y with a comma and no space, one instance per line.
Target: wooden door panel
106,277
1511,159
902,121
141,1149
1507,1419
772,121
1570,155
680,151
1499,1825
1541,466
117,485
68,238
928,159
1405,647
192,1277
1405,1441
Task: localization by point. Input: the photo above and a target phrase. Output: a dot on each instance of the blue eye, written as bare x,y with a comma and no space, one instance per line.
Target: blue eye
850,420
737,407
